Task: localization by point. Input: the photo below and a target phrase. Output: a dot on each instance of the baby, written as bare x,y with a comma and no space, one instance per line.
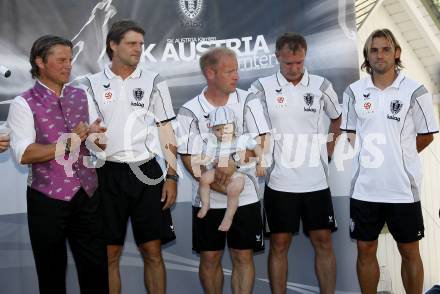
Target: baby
223,126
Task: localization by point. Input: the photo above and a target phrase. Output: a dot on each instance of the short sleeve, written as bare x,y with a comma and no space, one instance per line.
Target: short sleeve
330,98
162,105
349,116
255,117
21,122
189,140
423,112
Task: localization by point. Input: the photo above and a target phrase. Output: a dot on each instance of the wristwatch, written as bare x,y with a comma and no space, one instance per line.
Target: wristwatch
172,177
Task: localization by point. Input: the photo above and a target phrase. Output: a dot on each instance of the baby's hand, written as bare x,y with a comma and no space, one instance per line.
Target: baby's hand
261,171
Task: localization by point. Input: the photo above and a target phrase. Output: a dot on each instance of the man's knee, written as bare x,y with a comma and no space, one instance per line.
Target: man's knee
321,240
409,251
114,254
367,250
151,252
210,259
280,243
242,257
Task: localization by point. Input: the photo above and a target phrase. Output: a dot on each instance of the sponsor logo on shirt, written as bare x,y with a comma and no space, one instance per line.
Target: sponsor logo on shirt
367,105
107,96
308,99
280,101
395,108
137,103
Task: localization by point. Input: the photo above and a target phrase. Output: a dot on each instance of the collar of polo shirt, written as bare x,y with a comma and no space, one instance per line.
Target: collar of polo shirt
283,82
207,107
396,84
136,74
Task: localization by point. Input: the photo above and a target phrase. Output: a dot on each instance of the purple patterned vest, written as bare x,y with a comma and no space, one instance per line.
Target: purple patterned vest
54,116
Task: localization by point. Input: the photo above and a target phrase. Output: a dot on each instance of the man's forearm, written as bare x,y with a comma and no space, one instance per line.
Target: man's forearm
334,132
168,144
192,165
38,153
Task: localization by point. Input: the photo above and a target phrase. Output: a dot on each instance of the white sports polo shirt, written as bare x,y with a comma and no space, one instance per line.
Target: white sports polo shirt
130,109
387,167
296,114
193,135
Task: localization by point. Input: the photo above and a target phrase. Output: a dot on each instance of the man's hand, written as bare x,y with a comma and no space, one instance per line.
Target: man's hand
4,142
96,127
169,193
223,173
82,130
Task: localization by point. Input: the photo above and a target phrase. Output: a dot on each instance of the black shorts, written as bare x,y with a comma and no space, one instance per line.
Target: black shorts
284,210
404,220
246,231
125,196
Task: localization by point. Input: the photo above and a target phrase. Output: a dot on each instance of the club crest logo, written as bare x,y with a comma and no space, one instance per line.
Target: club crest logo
395,106
280,100
308,99
138,94
191,8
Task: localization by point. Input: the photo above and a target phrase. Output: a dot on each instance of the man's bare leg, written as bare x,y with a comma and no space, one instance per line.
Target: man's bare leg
325,260
278,262
114,255
233,189
211,272
412,267
154,268
243,271
367,266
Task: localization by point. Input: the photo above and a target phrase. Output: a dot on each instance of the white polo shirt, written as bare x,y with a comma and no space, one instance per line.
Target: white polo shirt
193,135
387,167
130,109
296,115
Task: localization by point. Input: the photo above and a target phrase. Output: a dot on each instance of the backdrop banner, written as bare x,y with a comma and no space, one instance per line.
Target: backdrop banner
177,33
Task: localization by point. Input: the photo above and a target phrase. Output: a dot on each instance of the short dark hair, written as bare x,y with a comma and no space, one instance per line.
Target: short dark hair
381,33
41,48
117,32
294,41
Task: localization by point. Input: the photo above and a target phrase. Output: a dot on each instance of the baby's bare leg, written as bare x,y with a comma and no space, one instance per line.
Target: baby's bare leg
233,189
205,181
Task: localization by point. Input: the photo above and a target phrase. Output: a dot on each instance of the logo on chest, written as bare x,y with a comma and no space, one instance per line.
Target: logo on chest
280,100
138,94
308,99
395,108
